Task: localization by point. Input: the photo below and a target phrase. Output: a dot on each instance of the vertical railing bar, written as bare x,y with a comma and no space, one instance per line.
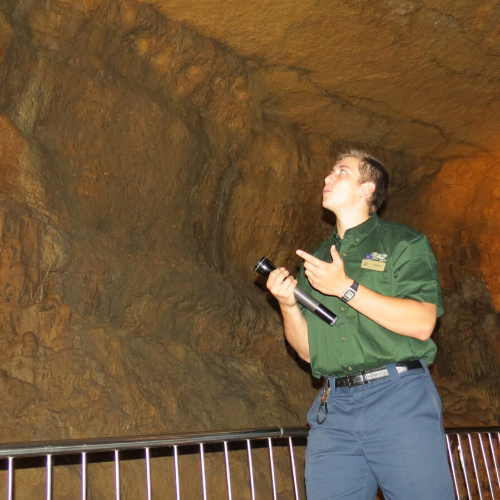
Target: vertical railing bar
493,454
250,468
452,465
203,472
49,477
476,472
84,476
117,475
294,470
10,482
273,476
148,473
464,466
486,464
177,480
228,473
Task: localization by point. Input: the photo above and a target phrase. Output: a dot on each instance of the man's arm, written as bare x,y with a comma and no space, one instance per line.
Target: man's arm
282,286
406,317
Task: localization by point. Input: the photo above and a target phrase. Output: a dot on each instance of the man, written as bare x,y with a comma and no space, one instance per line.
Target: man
377,421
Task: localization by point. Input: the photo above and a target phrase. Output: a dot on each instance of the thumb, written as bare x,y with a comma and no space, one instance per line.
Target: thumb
335,255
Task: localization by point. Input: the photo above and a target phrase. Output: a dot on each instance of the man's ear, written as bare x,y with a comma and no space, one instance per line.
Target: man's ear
367,189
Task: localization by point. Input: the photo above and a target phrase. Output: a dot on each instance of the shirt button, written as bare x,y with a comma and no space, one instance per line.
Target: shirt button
350,369
343,339
343,308
344,254
357,239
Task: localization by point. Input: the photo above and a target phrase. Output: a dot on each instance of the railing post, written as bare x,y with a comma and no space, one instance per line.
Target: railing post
84,476
148,474
228,472
117,474
49,477
494,455
177,480
474,463
452,466
464,466
294,471
10,480
273,475
250,468
203,474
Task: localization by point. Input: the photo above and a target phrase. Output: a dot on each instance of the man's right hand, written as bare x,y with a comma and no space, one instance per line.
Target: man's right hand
282,286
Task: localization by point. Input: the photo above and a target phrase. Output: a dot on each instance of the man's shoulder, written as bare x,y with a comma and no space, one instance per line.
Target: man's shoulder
399,232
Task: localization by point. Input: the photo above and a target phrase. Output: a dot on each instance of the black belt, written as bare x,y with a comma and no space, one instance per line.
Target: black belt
368,376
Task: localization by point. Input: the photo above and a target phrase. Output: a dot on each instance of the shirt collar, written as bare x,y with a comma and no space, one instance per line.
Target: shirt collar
360,232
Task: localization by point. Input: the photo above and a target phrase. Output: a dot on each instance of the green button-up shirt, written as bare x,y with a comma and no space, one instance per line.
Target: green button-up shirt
390,259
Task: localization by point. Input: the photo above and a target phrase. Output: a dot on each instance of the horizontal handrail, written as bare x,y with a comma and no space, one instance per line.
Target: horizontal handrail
63,447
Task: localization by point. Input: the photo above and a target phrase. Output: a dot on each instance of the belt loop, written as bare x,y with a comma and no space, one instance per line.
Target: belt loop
393,372
424,366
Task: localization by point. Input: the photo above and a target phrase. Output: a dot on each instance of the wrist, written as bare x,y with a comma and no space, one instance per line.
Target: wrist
343,285
350,292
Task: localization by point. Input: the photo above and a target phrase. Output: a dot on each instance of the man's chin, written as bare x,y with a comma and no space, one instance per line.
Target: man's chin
326,204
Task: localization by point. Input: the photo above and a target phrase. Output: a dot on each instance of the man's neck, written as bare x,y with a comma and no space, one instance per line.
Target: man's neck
348,220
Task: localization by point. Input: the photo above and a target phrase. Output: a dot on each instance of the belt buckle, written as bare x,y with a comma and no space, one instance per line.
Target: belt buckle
351,379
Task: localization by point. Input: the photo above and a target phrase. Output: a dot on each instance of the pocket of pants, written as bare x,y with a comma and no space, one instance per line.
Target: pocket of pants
434,394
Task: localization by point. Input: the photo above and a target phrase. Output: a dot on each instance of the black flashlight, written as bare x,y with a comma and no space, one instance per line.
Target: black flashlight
265,266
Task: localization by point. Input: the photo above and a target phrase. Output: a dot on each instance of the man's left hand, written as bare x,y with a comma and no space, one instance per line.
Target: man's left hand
329,279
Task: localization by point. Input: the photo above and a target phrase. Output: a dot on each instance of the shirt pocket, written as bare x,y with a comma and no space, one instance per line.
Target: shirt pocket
377,281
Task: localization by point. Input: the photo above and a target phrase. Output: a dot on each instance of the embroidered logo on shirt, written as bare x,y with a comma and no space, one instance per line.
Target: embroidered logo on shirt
380,257
374,261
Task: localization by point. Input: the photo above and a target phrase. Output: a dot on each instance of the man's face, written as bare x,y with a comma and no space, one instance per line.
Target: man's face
342,188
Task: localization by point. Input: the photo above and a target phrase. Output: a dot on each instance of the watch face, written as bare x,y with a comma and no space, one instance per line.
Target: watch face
349,294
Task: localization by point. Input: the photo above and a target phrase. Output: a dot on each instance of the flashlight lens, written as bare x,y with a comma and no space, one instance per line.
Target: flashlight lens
264,267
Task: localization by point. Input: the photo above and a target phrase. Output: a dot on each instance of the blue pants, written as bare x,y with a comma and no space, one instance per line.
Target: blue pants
386,433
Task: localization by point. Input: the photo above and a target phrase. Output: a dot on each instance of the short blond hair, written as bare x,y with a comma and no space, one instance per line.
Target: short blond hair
370,170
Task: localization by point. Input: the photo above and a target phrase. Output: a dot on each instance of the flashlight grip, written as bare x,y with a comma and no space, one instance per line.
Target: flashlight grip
314,306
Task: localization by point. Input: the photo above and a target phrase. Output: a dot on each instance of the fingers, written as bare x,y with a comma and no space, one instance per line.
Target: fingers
282,286
276,277
309,259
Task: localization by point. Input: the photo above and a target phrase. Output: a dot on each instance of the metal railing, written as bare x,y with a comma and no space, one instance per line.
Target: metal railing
17,451
473,454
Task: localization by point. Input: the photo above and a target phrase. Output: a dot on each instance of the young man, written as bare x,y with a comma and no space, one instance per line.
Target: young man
377,421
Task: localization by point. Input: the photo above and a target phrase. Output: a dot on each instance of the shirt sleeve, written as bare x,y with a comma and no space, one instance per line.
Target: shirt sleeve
415,273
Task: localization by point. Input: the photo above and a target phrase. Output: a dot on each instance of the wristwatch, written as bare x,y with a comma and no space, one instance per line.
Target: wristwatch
350,292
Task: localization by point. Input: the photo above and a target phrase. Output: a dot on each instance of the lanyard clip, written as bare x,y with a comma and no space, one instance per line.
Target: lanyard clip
324,401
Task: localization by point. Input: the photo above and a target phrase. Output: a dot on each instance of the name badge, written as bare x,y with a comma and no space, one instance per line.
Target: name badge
374,265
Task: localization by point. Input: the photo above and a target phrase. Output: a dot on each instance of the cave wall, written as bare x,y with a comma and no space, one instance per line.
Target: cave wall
142,184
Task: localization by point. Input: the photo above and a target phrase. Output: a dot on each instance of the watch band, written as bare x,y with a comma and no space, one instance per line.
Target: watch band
350,292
